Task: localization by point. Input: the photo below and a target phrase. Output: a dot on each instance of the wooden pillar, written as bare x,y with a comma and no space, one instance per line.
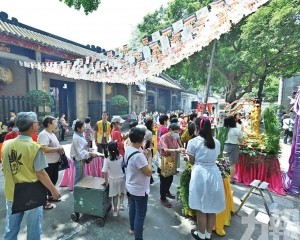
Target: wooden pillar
38,73
130,98
103,97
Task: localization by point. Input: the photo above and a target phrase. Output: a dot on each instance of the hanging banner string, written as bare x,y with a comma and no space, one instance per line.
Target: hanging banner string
159,51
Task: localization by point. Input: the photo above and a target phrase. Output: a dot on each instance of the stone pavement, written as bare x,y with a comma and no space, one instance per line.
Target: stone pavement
163,223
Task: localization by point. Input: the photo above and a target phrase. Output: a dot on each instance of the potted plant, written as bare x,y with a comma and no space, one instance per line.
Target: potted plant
120,105
39,98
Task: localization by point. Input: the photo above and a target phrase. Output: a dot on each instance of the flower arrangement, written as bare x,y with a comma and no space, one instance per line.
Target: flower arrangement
223,164
183,190
253,151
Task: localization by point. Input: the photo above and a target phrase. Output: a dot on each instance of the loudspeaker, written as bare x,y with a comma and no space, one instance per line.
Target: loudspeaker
194,104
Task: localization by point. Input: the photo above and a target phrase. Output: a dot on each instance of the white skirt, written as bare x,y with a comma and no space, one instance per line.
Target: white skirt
206,192
116,186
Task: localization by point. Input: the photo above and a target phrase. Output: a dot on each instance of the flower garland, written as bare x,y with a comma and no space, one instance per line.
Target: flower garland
167,47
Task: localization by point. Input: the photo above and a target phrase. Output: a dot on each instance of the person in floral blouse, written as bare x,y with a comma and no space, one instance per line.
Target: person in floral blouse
88,132
168,146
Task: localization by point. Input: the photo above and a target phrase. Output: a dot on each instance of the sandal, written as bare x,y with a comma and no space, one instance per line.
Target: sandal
48,206
51,199
121,207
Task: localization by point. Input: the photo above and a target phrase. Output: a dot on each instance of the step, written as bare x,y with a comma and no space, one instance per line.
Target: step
255,183
263,185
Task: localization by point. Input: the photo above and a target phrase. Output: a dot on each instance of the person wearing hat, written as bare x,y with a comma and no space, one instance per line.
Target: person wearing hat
116,134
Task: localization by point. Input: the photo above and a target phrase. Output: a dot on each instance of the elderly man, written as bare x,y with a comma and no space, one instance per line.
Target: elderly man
102,133
27,167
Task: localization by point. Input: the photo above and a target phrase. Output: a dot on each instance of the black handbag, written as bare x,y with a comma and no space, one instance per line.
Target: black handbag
63,162
28,195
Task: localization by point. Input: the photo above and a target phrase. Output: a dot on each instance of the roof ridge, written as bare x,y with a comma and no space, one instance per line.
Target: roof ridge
14,21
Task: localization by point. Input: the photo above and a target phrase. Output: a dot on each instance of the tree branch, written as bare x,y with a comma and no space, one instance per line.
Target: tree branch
221,72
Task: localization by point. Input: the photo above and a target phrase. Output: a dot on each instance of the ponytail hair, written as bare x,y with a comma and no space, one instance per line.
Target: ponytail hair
203,126
113,151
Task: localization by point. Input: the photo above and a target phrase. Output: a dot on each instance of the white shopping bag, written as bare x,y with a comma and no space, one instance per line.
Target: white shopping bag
157,160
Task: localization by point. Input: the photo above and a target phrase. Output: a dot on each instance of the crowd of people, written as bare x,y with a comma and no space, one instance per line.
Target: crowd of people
127,165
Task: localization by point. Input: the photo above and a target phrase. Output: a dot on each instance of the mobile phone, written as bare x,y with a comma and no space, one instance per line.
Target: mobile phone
148,142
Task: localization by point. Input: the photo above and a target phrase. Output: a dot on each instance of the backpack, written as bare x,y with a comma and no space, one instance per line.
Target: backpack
188,133
124,166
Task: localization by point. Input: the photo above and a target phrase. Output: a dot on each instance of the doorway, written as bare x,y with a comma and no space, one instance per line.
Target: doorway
64,96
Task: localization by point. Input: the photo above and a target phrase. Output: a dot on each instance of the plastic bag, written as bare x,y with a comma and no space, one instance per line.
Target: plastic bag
157,160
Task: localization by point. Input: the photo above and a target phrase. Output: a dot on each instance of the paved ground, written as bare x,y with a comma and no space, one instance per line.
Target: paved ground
162,223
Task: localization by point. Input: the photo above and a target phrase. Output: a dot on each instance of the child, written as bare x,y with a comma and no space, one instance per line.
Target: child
13,131
113,166
88,131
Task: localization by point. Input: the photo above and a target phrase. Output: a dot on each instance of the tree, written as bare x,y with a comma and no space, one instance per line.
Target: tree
39,98
262,45
119,101
87,5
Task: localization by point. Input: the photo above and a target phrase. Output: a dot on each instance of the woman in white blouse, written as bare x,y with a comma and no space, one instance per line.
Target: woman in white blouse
234,138
79,150
52,150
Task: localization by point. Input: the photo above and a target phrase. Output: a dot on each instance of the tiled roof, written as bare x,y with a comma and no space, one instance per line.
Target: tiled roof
21,31
162,82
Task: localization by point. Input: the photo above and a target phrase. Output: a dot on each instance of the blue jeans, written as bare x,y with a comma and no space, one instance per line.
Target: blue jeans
137,214
34,219
78,171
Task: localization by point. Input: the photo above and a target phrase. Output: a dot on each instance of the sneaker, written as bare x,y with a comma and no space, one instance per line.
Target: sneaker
169,195
115,214
166,203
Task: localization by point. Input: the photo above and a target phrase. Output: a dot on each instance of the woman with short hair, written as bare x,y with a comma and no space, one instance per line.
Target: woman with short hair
79,150
168,147
231,147
139,170
52,150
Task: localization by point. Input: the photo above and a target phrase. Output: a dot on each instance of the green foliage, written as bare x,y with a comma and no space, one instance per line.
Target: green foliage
270,91
87,5
221,135
39,98
260,48
272,131
183,190
119,101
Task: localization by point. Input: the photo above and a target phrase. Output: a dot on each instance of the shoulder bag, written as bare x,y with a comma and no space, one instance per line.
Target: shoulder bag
63,162
28,195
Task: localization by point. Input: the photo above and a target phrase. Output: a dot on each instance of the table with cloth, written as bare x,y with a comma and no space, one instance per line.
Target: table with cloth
260,167
94,168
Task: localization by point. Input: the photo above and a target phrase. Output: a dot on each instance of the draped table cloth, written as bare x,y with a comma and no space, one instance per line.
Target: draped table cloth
94,168
263,168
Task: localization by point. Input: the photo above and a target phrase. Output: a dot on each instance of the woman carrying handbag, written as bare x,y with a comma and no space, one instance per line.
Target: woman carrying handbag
52,150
